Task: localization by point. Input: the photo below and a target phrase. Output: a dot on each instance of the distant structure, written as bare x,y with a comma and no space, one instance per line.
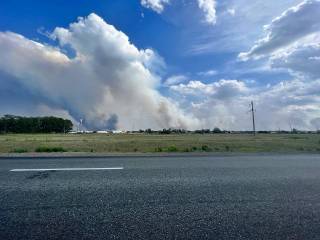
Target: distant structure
253,119
103,131
80,125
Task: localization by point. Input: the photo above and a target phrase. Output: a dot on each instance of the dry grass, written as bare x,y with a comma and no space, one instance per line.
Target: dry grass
126,143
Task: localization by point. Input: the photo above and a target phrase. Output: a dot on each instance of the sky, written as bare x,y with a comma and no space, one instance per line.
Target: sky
137,64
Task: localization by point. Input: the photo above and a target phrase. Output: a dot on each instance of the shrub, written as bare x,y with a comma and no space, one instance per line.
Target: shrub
20,150
205,148
50,149
172,149
158,149
193,149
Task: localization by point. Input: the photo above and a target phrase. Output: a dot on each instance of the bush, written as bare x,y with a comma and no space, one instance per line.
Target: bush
158,149
172,149
50,149
205,148
193,149
20,150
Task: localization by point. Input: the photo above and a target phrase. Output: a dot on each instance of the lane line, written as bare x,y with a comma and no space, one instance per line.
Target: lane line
65,169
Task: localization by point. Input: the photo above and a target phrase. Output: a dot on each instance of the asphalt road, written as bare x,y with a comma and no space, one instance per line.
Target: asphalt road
212,197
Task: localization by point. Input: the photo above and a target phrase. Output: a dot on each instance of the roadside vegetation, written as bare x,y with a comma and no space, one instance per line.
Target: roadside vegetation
159,143
50,149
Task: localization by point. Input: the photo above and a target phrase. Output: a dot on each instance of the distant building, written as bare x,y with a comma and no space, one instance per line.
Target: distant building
118,131
103,132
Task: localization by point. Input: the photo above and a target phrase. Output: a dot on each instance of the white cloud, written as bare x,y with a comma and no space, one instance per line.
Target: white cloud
293,42
175,80
109,76
208,73
223,89
234,34
226,104
209,9
155,5
294,24
231,11
303,60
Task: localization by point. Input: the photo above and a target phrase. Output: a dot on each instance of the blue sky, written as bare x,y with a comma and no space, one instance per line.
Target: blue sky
163,63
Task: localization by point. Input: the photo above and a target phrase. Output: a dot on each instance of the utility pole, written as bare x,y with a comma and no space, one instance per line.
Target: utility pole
291,128
80,125
253,119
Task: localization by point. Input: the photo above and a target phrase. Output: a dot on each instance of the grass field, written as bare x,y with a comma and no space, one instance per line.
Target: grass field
143,143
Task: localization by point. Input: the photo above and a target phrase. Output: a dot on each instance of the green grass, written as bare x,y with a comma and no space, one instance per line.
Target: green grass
144,143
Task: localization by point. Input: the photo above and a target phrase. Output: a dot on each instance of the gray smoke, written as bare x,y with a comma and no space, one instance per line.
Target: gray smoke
107,72
112,122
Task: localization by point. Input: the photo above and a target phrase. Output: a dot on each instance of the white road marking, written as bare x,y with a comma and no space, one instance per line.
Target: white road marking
65,169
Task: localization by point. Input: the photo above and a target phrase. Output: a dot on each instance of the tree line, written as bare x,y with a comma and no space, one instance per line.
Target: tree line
181,131
18,124
219,131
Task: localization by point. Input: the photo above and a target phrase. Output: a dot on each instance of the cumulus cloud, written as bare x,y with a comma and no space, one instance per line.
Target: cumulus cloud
209,9
292,102
292,43
109,82
175,80
223,89
303,60
293,25
226,104
155,5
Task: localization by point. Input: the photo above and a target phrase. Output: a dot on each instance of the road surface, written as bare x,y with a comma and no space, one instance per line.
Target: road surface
211,197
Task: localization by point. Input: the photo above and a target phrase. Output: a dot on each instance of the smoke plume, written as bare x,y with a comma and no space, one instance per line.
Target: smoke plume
108,81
